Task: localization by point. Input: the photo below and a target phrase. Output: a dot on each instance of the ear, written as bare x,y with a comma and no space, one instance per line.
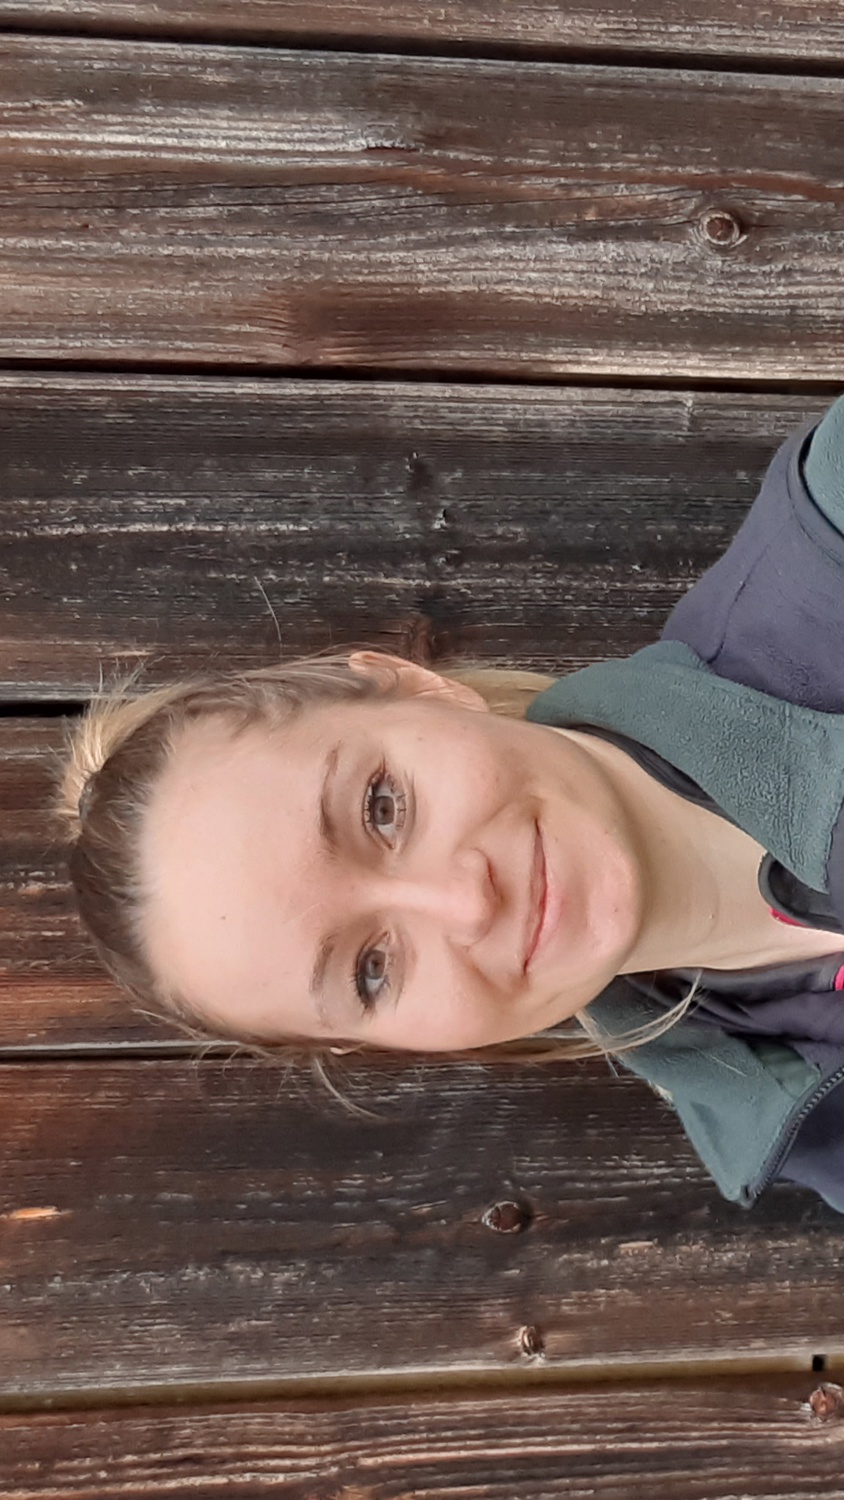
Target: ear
413,681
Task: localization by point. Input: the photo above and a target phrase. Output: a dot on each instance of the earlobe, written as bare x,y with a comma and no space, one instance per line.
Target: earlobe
415,681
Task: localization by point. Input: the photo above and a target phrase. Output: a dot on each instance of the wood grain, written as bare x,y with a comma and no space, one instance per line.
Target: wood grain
797,31
216,206
51,991
685,1441
164,522
171,1224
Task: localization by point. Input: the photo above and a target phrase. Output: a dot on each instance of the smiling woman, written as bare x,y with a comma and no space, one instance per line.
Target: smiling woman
325,879
360,852
303,869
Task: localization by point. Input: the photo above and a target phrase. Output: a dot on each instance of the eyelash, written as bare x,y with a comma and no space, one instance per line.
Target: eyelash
382,777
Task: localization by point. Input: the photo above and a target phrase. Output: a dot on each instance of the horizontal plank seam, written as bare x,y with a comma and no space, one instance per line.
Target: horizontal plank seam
421,1383
112,1051
374,376
59,708
794,67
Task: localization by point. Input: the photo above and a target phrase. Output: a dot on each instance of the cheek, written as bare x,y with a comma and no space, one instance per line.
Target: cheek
445,1010
456,1025
476,774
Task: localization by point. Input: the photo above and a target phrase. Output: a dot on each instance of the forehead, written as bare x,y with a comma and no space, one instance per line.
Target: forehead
230,814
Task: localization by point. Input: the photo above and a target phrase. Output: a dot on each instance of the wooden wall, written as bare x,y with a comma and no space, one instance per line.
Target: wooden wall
461,331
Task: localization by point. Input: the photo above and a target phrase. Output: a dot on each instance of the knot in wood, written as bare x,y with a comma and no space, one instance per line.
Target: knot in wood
722,228
531,1342
827,1402
420,474
507,1218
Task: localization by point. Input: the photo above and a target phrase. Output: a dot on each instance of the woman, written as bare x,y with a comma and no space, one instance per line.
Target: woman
358,852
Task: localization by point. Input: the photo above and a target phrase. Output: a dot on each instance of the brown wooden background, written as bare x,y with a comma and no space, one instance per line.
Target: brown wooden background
461,330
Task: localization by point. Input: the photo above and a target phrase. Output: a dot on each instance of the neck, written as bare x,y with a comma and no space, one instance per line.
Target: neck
703,906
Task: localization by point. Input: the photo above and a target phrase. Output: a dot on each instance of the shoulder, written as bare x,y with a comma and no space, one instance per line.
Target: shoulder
823,465
770,613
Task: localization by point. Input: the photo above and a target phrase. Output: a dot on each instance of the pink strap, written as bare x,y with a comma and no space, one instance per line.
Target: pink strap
789,921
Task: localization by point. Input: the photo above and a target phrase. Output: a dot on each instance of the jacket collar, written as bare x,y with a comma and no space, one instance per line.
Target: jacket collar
778,772
776,769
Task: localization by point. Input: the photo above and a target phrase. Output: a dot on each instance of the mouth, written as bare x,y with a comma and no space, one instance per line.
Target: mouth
538,901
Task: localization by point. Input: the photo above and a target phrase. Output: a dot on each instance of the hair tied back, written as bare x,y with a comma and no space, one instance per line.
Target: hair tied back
85,798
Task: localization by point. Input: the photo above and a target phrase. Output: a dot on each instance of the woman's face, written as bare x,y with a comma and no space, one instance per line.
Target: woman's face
409,872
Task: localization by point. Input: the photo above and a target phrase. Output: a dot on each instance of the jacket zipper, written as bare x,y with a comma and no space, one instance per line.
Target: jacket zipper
786,1141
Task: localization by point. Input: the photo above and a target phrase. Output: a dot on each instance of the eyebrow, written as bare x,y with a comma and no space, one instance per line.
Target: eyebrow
327,825
328,832
323,959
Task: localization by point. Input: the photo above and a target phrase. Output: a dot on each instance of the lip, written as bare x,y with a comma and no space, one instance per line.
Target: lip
538,902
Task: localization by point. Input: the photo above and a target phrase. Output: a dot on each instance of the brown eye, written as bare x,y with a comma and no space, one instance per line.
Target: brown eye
384,807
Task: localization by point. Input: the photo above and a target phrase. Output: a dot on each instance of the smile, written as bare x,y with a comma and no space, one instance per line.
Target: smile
537,929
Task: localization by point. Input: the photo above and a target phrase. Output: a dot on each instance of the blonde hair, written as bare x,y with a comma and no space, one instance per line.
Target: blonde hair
114,759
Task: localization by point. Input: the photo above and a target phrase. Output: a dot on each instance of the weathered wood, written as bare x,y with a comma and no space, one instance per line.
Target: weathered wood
219,206
794,30
160,521
683,1441
51,991
173,1223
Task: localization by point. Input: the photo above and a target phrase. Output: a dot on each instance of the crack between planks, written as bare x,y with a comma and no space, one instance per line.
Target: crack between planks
444,376
683,59
16,1055
424,1383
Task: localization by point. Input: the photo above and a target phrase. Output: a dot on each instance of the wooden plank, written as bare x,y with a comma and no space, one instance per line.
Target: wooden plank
51,991
172,1224
159,521
217,206
802,31
685,1441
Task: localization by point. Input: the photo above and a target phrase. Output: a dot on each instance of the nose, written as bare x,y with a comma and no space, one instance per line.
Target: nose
460,898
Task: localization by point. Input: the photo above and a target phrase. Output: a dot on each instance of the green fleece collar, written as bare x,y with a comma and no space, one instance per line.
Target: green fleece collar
778,771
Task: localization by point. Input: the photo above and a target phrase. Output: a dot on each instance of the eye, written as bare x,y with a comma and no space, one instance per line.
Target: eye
385,806
372,974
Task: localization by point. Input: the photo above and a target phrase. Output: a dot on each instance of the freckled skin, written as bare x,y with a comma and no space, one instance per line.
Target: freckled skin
243,890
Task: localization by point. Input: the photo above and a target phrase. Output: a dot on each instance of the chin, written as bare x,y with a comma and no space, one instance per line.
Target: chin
615,920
